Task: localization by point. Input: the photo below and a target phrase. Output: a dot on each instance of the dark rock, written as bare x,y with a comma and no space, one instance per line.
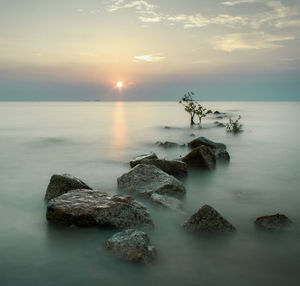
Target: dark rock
192,135
204,141
217,112
138,159
202,157
144,180
165,202
273,222
132,245
172,167
207,219
219,149
60,184
167,127
222,155
97,208
219,124
168,144
219,117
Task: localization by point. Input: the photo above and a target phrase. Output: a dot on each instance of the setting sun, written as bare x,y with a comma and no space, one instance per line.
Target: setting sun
119,84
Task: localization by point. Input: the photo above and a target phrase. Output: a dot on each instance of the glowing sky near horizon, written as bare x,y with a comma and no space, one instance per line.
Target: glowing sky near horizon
98,42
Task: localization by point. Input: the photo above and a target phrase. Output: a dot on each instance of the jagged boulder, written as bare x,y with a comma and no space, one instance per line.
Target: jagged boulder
166,202
97,208
172,167
144,180
219,149
132,245
138,159
201,157
207,219
60,184
273,222
200,141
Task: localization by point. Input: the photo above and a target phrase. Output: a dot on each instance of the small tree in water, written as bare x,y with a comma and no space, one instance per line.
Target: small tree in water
234,126
193,107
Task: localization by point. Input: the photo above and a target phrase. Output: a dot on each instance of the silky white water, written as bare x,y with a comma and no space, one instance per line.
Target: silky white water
95,141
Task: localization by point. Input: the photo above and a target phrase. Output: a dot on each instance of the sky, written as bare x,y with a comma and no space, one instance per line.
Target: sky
79,49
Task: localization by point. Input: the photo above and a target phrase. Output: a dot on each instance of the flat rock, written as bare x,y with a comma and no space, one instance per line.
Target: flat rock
97,208
137,160
168,144
172,167
207,219
273,222
201,157
60,184
200,141
144,180
166,202
132,245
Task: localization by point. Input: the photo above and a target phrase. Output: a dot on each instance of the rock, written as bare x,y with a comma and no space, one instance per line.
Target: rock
171,167
60,184
219,124
168,144
167,127
144,180
201,157
192,135
207,219
97,208
273,222
219,149
204,141
222,155
219,117
138,159
132,245
217,112
165,201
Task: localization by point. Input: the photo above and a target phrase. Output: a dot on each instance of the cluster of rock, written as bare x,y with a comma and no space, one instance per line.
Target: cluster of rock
70,201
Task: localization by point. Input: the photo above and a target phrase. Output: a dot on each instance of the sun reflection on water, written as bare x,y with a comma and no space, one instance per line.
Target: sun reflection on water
120,140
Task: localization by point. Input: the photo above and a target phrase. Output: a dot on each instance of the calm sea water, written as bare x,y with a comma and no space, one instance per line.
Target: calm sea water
95,141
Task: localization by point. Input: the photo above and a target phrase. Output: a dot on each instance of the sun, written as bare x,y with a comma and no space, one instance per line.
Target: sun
119,84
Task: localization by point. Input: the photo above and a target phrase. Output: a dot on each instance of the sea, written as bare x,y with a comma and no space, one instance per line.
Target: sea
95,141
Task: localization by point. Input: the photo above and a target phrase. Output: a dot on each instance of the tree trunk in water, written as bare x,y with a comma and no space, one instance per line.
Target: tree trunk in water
192,120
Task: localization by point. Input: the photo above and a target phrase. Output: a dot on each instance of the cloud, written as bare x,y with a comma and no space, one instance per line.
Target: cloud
148,13
233,3
250,41
139,5
278,16
151,58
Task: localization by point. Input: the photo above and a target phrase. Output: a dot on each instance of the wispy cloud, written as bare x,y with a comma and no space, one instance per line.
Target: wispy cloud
148,13
151,58
237,2
250,41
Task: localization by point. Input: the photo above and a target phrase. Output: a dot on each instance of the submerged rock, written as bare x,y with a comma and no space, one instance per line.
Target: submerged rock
171,167
137,160
168,144
200,141
207,219
60,184
132,245
201,157
144,180
97,208
273,222
165,201
219,124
